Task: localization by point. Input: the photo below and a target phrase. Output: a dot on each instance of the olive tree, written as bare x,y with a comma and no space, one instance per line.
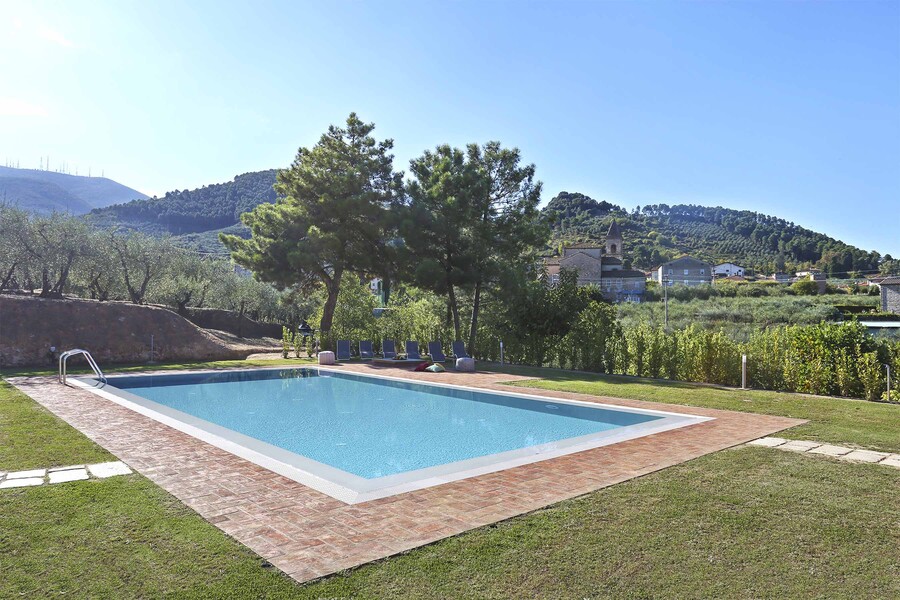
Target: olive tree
52,245
13,222
142,260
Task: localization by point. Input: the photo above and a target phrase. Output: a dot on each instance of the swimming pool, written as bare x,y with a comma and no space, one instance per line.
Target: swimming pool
360,437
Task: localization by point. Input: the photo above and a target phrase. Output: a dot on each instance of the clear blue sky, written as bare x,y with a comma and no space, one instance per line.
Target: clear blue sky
787,108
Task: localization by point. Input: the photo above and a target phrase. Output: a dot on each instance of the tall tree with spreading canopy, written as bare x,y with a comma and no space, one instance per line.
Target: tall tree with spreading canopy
331,217
471,221
437,225
509,226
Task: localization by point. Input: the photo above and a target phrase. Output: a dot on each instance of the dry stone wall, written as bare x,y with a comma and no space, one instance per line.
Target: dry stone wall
112,331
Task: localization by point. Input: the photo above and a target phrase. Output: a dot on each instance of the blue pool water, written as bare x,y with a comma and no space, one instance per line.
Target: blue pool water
367,426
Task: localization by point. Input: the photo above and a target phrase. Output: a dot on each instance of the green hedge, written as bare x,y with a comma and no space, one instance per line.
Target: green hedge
835,359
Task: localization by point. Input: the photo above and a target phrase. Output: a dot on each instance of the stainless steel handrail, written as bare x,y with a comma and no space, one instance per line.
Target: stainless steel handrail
64,357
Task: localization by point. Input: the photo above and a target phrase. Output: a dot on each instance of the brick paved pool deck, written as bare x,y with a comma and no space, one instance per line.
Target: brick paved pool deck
308,534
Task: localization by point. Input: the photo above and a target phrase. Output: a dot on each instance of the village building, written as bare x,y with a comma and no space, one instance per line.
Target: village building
685,270
814,275
601,266
781,277
890,294
728,269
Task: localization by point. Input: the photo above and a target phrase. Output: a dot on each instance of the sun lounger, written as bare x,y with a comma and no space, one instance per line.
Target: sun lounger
388,349
365,350
436,352
459,350
412,351
343,350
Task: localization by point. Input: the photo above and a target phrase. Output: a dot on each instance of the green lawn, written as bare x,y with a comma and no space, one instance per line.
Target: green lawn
746,522
871,425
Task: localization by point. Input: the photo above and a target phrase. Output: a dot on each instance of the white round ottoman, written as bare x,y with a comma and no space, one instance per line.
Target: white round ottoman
326,358
466,365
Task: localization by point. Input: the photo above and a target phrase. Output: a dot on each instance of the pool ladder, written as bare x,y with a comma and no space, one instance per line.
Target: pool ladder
65,356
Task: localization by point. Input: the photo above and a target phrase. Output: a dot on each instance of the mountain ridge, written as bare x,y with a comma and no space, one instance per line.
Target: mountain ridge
49,191
653,234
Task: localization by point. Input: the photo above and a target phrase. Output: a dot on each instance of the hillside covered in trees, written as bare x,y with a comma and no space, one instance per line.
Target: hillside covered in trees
656,233
207,209
653,233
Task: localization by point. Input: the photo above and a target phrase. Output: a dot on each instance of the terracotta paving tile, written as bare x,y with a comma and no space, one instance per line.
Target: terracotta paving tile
308,534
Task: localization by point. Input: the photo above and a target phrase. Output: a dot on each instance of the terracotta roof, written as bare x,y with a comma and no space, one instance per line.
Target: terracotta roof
584,246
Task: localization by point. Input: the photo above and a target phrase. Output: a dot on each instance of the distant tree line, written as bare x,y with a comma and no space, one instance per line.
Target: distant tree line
178,212
55,255
659,232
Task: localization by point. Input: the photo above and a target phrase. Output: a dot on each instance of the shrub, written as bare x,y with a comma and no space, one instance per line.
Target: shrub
805,287
286,338
871,374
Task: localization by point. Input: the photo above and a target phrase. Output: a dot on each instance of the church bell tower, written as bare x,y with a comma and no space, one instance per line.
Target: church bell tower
614,240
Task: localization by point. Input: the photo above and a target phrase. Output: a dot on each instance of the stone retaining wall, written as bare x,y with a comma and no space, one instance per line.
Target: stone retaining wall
111,331
230,321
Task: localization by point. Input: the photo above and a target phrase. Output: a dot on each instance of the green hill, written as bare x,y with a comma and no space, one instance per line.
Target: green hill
206,209
652,235
656,233
48,191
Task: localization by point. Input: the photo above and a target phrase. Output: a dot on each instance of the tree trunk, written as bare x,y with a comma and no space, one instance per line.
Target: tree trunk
8,277
333,286
454,311
240,327
476,304
46,291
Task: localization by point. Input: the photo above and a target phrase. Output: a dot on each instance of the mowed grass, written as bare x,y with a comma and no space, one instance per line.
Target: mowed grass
32,437
122,537
743,523
873,425
746,522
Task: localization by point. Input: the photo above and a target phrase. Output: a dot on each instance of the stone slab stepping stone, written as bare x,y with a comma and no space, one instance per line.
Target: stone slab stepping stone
68,475
27,474
21,482
892,461
768,442
54,469
829,450
869,456
109,469
799,446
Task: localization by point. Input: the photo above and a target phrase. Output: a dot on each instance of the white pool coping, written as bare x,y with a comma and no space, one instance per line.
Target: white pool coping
352,489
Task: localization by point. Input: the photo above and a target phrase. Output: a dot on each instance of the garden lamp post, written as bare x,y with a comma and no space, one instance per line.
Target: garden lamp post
307,332
665,283
888,368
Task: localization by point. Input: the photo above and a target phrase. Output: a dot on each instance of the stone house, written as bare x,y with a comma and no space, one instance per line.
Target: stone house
601,266
814,275
890,295
685,270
